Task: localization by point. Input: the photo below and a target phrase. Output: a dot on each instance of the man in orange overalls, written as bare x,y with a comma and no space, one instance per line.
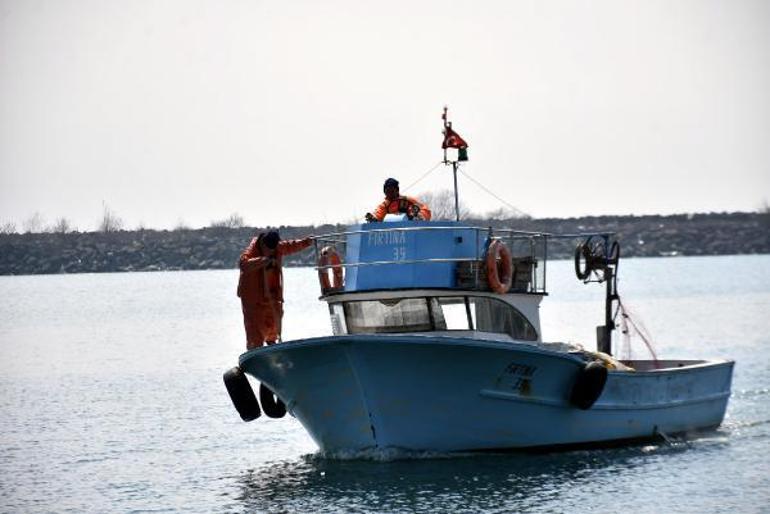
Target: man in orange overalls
394,203
260,286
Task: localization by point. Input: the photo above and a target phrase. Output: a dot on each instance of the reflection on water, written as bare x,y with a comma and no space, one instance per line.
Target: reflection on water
468,483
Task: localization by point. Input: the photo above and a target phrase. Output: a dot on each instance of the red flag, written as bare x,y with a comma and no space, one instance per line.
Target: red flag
452,139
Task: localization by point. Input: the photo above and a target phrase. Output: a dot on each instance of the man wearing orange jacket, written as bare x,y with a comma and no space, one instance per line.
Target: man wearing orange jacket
394,203
260,286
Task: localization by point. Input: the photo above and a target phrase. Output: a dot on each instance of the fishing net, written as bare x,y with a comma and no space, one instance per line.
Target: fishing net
631,326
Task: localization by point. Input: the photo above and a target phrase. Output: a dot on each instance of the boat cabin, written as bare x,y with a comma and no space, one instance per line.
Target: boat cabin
409,277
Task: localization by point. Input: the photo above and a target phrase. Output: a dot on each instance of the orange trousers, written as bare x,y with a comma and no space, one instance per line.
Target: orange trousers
262,322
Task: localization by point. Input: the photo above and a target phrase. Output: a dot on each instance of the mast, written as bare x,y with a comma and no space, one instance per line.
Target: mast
453,140
457,198
604,342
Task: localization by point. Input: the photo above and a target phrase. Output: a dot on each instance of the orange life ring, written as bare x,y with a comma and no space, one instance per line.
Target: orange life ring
499,267
329,257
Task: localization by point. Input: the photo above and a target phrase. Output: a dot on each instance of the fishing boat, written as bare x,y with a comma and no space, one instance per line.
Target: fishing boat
437,346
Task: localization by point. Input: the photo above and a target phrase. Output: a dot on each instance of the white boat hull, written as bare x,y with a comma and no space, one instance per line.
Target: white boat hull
431,392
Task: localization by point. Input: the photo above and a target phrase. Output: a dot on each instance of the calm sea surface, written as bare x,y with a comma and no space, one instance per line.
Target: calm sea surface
111,400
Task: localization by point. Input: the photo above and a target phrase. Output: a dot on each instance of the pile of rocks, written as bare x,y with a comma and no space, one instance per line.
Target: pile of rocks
219,248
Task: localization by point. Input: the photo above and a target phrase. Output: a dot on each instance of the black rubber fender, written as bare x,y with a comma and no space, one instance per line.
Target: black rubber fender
271,404
241,394
589,385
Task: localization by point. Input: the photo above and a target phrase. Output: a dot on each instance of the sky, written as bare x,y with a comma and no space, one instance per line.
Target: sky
182,112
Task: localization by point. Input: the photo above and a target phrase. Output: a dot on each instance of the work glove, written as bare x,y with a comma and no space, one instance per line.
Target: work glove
370,218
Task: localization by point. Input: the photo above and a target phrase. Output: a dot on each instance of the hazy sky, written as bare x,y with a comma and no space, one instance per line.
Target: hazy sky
294,112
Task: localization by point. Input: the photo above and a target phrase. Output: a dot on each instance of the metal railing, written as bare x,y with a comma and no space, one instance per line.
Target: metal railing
529,250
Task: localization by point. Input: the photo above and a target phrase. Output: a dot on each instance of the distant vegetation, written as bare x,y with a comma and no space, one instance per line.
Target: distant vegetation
235,220
442,205
110,222
7,227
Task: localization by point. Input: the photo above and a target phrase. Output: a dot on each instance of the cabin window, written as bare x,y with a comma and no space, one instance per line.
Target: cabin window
496,316
389,316
486,315
444,313
454,315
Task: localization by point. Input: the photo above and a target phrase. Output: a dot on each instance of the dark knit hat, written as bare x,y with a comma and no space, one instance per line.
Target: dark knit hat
271,239
391,182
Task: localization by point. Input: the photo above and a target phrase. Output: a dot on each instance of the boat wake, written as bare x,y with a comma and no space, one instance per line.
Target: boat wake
387,455
751,393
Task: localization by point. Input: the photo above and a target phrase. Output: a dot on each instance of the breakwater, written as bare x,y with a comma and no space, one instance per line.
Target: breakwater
219,248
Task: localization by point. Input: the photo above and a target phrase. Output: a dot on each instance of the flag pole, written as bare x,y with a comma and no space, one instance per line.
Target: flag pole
447,132
457,198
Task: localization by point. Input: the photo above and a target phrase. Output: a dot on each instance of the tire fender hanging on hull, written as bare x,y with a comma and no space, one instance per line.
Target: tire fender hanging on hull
271,404
241,394
589,385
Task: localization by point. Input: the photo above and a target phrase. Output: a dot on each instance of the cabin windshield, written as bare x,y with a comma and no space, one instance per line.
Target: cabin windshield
434,313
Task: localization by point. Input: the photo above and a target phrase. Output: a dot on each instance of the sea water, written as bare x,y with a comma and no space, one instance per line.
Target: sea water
111,400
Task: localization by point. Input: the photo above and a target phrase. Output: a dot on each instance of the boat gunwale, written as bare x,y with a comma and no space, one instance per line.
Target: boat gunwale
432,338
409,338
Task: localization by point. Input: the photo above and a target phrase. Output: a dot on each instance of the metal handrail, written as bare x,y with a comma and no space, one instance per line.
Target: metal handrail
538,247
510,232
524,233
406,261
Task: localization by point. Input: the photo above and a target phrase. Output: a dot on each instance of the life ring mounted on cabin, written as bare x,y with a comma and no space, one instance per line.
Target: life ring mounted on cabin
499,267
329,259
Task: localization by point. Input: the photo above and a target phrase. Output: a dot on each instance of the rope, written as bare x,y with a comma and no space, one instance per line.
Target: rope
516,211
423,176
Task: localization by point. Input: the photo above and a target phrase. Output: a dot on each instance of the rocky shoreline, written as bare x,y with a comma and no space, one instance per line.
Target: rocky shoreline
219,248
